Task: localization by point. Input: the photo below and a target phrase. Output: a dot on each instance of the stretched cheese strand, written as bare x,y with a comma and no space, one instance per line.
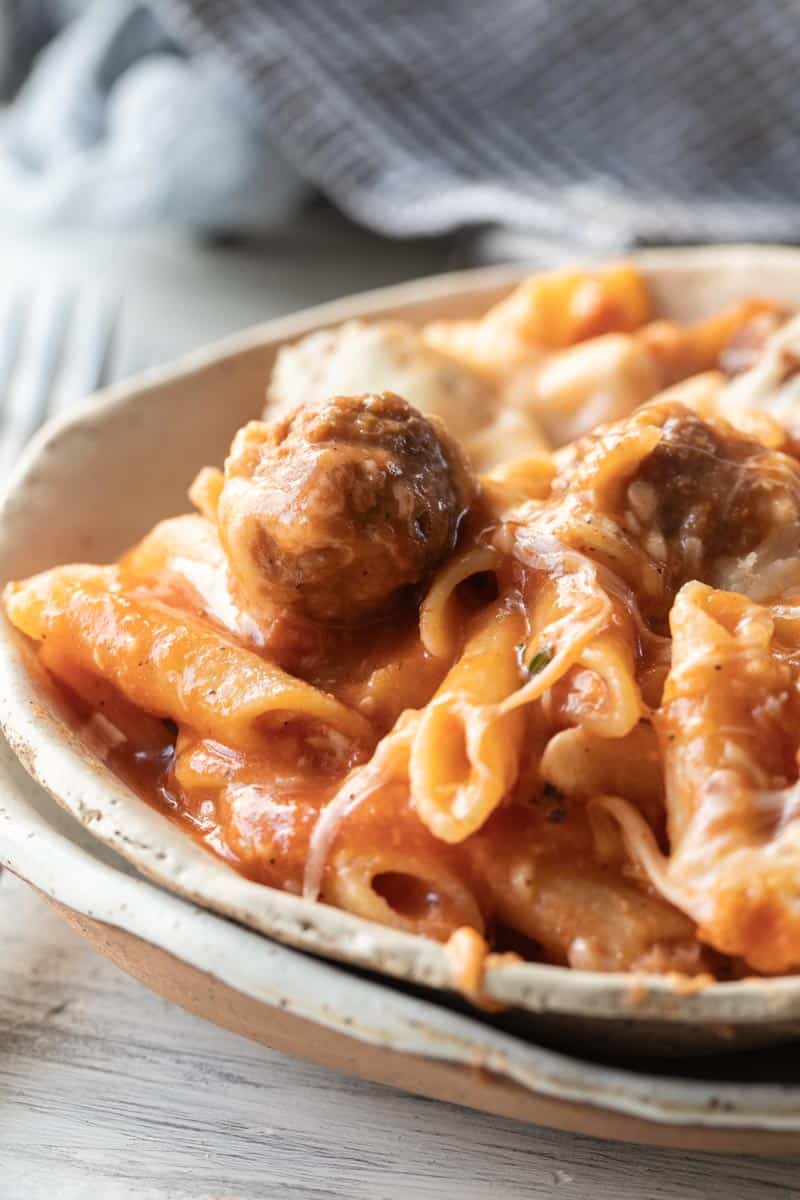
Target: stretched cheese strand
388,763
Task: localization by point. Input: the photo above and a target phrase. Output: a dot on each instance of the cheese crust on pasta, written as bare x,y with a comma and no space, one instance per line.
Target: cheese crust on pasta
515,665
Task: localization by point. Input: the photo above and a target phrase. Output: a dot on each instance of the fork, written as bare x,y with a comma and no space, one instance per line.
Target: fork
56,346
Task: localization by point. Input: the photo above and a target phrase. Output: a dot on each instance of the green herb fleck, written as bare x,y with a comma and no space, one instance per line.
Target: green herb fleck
540,660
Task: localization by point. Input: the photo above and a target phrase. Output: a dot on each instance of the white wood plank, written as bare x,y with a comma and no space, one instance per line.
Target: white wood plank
107,1091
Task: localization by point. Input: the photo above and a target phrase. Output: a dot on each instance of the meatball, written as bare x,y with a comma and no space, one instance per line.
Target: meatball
333,509
700,501
712,505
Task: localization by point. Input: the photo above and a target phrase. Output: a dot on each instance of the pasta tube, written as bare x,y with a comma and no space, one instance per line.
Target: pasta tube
544,882
729,734
169,664
465,754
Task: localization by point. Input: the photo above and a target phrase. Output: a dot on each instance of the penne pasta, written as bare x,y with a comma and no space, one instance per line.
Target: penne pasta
580,763
547,312
100,698
167,664
545,883
465,753
527,478
398,878
729,733
439,610
601,692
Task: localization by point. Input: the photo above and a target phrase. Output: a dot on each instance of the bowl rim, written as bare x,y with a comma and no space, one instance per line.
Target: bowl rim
49,755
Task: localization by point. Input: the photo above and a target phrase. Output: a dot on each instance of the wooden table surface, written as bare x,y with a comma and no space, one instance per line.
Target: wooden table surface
107,1092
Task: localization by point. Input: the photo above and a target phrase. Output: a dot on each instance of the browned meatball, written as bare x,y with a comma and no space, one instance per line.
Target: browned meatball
332,509
704,502
713,505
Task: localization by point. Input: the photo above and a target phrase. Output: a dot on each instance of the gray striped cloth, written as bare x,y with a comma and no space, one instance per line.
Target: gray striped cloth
592,124
600,123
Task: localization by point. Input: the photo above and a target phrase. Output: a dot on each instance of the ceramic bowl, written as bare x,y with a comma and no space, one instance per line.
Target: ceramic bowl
368,1027
91,484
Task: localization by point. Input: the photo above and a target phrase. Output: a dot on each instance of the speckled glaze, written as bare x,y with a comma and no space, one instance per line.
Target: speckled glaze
90,485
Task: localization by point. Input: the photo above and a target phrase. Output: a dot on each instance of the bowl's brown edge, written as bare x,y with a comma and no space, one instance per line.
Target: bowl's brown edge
215,1001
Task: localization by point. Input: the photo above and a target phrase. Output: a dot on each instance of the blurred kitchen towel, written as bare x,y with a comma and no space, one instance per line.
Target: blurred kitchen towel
600,123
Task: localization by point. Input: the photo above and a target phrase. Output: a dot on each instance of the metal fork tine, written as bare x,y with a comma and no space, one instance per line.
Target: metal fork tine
37,363
89,350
